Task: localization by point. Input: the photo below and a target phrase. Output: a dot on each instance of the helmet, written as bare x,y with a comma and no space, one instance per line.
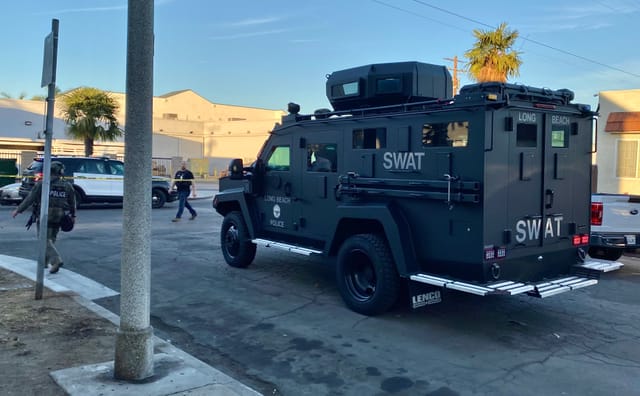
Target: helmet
66,223
57,168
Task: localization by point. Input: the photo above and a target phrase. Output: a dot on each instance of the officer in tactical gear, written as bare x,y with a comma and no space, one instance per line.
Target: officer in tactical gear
61,199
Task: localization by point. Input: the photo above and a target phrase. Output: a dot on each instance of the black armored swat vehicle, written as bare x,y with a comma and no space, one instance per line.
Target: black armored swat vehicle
485,192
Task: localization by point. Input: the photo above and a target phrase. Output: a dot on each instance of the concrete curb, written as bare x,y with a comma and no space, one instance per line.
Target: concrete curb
175,371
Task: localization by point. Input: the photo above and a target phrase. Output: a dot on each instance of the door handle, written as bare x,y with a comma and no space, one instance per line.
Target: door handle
548,198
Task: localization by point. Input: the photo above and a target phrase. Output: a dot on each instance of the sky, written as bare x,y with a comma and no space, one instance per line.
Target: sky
265,54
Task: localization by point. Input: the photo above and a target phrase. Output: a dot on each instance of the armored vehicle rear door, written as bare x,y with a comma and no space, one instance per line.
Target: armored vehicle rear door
539,201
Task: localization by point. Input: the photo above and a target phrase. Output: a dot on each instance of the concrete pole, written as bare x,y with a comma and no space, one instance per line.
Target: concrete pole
134,340
48,78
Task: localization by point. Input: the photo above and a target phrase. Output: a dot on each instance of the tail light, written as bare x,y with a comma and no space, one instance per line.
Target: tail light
596,213
494,252
37,177
580,239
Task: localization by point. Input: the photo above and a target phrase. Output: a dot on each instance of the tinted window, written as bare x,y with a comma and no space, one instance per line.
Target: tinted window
35,165
322,157
370,138
388,85
116,168
446,134
526,135
279,159
346,89
559,137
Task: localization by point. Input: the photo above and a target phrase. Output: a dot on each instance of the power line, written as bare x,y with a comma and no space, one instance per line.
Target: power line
529,40
584,58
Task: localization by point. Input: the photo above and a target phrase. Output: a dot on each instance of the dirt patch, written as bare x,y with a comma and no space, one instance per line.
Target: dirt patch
40,336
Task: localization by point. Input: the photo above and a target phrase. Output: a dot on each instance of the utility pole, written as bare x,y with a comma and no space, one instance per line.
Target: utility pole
456,81
134,339
49,69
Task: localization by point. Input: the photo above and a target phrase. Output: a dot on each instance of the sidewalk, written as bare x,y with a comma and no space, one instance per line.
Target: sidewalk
65,343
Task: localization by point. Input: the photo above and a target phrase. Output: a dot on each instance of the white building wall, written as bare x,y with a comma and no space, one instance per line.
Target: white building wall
606,157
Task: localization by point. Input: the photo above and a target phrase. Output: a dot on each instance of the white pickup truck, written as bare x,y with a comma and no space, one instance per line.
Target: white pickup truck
615,225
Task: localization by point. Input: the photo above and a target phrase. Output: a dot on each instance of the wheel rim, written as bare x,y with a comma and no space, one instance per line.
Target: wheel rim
360,276
232,241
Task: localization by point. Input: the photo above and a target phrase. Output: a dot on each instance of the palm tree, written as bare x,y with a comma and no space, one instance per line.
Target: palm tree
491,58
90,115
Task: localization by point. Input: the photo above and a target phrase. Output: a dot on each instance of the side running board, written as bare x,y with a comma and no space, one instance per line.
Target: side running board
284,246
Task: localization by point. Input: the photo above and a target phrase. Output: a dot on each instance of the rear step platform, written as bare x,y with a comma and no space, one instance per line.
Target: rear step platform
600,265
587,274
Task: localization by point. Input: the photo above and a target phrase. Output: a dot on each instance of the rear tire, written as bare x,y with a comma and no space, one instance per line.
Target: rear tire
158,198
366,274
605,253
237,248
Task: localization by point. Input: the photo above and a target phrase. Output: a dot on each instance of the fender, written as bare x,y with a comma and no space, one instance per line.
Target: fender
225,200
396,230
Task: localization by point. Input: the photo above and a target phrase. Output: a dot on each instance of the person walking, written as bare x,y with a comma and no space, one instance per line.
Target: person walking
184,183
62,198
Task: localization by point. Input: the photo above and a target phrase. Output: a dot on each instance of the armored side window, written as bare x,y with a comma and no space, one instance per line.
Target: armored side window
389,85
322,157
527,135
446,134
279,159
345,89
370,138
560,136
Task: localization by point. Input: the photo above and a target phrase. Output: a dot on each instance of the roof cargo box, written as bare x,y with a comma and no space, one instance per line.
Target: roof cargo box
385,84
519,92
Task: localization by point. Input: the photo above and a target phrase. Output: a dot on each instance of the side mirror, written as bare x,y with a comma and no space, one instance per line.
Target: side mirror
236,168
259,167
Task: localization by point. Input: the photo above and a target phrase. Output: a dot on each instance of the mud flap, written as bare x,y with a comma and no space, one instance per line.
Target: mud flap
422,295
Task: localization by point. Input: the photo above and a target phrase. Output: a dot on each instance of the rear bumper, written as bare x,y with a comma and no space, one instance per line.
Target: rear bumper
615,240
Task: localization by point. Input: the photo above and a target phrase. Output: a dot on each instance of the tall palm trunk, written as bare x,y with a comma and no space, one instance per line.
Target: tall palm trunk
88,147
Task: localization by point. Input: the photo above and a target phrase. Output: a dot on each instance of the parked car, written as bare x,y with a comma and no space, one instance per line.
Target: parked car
96,180
9,194
615,225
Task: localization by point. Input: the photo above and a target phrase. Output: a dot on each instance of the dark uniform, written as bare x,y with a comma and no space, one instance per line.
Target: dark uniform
184,182
61,199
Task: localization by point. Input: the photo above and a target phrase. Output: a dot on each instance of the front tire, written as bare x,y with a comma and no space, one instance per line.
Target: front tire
158,198
237,248
366,274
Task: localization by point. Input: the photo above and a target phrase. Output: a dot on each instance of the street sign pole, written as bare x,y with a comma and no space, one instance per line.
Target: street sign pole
48,79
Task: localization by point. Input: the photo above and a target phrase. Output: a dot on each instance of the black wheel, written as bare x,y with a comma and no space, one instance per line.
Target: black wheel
237,249
605,253
367,277
158,198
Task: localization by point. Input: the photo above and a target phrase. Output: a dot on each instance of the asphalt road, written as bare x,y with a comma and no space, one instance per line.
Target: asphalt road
281,327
